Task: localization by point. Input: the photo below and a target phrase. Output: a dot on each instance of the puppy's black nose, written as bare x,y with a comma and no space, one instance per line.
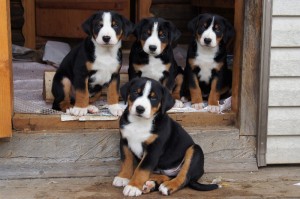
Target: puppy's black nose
207,40
152,48
140,109
106,39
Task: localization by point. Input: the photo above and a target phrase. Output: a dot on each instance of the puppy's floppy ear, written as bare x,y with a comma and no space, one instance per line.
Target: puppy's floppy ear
192,25
128,26
87,26
124,91
138,28
229,32
167,101
174,33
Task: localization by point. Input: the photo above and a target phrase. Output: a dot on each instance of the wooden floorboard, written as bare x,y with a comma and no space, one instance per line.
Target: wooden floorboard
37,122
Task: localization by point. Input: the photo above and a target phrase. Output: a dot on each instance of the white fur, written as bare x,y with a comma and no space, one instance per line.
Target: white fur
107,30
205,60
154,69
106,63
115,109
136,132
120,182
153,40
77,111
131,191
163,189
92,109
209,34
198,106
213,109
178,104
144,102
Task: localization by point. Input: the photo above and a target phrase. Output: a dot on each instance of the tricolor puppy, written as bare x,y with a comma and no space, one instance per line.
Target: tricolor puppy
167,157
152,55
92,65
206,72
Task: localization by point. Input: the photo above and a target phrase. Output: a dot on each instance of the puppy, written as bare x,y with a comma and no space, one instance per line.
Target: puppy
167,157
152,55
92,65
206,72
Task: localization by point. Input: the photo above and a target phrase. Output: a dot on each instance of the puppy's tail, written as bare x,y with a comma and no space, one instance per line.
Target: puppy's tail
202,187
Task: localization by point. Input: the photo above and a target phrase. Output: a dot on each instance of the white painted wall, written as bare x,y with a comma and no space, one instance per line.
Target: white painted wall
283,142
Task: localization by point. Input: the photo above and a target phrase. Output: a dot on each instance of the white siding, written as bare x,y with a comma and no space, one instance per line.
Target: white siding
283,136
283,149
285,62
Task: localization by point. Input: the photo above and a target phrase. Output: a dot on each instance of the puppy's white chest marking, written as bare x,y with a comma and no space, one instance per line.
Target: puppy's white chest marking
106,63
205,60
154,69
136,132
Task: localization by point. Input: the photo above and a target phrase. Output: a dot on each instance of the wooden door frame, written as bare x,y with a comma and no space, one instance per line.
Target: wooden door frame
6,87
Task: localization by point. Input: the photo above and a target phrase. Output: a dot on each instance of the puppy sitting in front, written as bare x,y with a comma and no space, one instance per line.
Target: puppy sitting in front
167,157
206,73
93,64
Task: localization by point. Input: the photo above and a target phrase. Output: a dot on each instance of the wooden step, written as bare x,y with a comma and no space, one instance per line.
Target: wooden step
80,153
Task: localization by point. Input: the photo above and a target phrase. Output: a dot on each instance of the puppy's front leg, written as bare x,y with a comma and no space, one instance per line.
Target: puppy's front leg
196,94
214,97
81,98
127,160
144,169
113,96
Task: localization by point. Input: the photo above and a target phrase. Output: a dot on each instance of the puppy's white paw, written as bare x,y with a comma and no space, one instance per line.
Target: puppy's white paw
163,189
77,111
178,104
149,186
92,109
184,99
120,182
115,109
131,191
198,106
213,109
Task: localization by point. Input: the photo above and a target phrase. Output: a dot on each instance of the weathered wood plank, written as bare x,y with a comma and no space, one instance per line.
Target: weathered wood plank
36,122
5,71
285,62
284,92
283,149
250,67
285,32
29,23
284,121
286,8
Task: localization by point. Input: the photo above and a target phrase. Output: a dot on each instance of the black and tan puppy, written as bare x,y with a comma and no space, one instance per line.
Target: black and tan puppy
92,65
167,157
206,71
152,55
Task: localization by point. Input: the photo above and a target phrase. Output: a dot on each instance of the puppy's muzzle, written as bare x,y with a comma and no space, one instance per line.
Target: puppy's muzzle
207,41
152,48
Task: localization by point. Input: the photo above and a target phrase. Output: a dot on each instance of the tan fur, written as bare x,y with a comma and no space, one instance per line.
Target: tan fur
127,164
66,103
82,96
112,92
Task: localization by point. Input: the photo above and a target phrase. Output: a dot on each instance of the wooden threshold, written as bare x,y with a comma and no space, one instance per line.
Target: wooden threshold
38,122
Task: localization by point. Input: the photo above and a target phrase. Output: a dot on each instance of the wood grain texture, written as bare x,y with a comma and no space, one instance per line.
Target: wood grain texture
284,121
6,94
283,149
29,23
285,32
143,9
285,62
284,92
36,122
286,8
250,67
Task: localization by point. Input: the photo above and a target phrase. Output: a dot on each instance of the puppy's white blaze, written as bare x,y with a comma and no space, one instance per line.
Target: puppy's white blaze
107,30
143,101
153,40
210,34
